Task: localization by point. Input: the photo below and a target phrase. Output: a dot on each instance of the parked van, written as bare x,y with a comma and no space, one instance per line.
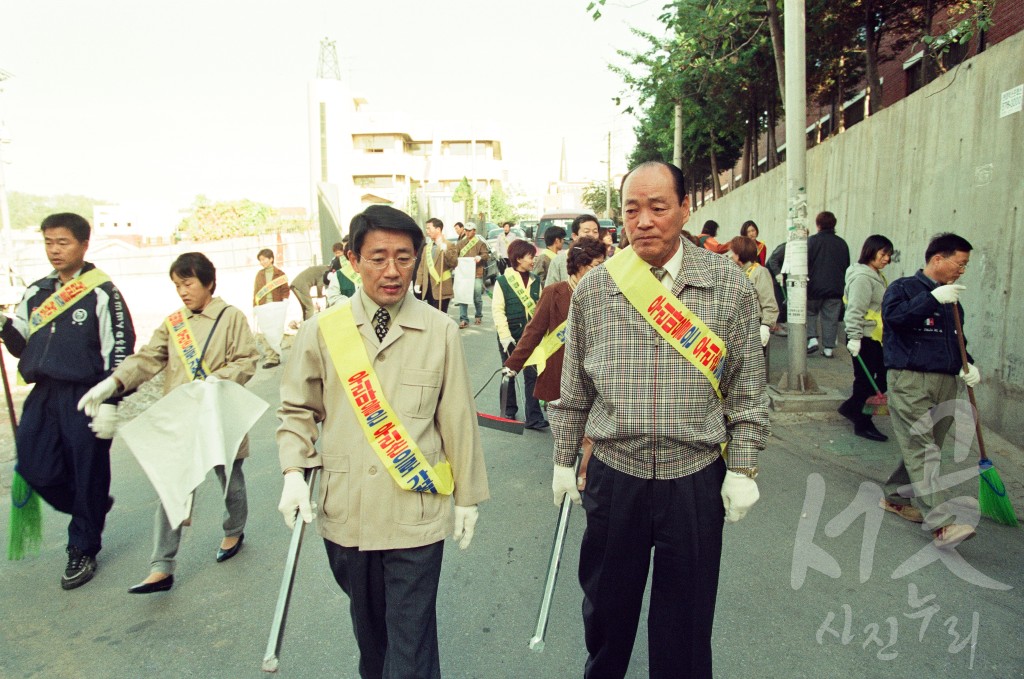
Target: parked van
562,219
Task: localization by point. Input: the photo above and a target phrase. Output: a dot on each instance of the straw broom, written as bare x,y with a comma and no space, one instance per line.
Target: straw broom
26,527
877,404
992,498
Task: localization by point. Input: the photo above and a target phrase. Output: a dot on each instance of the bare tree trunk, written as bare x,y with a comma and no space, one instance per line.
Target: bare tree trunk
840,119
716,182
745,177
755,132
773,147
775,26
873,96
927,67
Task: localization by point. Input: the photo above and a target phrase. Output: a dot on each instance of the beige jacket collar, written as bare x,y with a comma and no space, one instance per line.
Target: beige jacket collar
411,314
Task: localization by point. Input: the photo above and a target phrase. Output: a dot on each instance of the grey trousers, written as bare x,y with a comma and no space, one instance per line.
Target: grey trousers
167,539
911,396
829,310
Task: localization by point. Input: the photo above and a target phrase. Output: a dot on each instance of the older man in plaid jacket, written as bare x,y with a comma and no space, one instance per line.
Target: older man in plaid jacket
659,411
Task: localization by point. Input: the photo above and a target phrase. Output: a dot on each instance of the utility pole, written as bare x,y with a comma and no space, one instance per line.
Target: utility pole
7,275
608,186
797,378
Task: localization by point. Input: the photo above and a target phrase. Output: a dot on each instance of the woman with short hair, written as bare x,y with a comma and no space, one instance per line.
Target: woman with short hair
750,230
743,251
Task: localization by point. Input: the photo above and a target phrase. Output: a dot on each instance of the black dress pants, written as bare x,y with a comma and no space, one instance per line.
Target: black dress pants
63,461
393,603
679,519
428,297
871,352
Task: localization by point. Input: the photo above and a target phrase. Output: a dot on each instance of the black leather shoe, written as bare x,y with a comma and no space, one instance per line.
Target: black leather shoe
225,554
150,587
539,426
849,414
869,432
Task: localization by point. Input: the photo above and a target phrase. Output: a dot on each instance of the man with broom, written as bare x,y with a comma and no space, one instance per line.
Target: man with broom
71,329
921,350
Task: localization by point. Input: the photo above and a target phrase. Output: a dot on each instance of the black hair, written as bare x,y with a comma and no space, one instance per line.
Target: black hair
582,253
195,265
76,224
678,178
383,218
338,247
458,224
826,221
710,228
583,218
266,252
436,223
552,234
749,222
872,246
518,249
946,244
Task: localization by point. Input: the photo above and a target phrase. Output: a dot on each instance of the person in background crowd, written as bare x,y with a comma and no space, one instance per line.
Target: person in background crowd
554,240
828,258
774,265
505,239
584,226
922,352
339,251
308,278
469,245
344,281
70,331
437,261
707,239
750,230
865,288
220,336
606,238
515,302
743,251
271,285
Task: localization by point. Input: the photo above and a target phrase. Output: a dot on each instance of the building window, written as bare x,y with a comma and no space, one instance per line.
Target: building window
373,143
955,55
375,182
418,148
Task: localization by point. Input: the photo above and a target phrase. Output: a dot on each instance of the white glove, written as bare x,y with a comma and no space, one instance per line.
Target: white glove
972,377
766,334
211,379
739,493
509,373
95,397
563,483
853,346
509,344
948,294
104,422
295,496
417,289
465,525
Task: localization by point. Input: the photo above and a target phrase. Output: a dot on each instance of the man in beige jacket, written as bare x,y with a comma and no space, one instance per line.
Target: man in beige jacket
384,540
438,260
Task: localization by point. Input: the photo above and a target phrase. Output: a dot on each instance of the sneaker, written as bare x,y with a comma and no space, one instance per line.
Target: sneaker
80,569
908,512
952,535
826,352
812,345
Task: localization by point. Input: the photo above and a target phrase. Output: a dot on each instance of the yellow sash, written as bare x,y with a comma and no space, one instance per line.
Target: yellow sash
350,273
185,343
432,268
515,281
270,287
679,326
552,342
750,270
380,424
65,298
468,246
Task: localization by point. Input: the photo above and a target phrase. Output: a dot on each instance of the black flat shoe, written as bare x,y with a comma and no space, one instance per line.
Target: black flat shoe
150,587
870,433
225,554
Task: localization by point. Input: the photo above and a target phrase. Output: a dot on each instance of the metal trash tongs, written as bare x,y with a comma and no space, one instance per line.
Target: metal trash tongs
273,652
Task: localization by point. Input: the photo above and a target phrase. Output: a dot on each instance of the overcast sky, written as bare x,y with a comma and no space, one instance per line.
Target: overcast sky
139,101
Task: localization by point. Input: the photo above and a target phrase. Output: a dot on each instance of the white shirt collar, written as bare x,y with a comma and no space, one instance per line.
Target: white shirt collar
673,266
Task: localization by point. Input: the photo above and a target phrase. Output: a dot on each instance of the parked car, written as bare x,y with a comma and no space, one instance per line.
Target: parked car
562,219
492,236
529,227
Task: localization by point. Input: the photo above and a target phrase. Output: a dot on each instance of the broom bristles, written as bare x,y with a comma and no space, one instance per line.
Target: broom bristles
992,498
26,527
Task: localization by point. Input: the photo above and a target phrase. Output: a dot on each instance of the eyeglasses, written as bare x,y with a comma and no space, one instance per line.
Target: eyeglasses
381,263
962,267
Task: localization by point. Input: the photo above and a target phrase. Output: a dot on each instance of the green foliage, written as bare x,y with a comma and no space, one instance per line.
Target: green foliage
595,197
29,210
229,219
502,209
464,194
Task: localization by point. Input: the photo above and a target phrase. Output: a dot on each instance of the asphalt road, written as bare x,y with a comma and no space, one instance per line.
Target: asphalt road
816,581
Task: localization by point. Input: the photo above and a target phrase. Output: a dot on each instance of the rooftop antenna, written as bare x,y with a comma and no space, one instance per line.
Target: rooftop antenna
327,68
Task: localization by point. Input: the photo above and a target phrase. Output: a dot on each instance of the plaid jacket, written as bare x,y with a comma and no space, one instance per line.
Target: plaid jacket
650,413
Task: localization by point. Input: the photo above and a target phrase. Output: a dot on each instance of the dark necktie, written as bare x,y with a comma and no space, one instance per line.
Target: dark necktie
659,272
380,323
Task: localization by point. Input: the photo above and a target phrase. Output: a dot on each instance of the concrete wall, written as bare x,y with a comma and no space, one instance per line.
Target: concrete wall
939,160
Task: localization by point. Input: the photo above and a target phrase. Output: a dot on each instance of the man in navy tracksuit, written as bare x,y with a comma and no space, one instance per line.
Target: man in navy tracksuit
71,329
922,354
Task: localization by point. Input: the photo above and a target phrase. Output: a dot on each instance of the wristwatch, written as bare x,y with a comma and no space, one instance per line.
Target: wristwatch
749,472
